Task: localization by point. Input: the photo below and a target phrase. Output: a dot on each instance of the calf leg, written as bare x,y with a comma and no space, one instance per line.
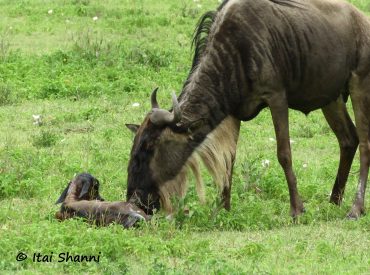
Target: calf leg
340,122
360,96
280,117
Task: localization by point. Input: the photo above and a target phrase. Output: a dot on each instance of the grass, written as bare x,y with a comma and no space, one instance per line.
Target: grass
83,76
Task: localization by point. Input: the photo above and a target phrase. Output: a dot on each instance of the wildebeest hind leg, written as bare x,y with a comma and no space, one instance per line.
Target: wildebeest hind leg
340,122
279,111
360,96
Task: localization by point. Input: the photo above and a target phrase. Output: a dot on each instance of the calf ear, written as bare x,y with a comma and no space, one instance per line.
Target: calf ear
133,127
64,194
85,189
97,184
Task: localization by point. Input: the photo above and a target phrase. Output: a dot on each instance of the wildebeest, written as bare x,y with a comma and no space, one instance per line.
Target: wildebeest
299,54
81,199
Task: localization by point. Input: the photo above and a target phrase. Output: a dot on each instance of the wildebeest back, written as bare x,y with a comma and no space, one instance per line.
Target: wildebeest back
308,48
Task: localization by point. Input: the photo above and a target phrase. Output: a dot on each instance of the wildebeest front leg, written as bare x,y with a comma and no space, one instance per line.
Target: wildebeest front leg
280,117
360,96
340,122
226,192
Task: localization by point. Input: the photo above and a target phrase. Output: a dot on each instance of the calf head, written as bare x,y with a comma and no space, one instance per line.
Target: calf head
83,187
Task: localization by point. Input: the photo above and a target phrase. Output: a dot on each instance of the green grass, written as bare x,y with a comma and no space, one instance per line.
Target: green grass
83,77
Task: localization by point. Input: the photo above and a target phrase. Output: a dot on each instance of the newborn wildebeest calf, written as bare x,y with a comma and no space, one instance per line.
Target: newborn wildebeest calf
81,198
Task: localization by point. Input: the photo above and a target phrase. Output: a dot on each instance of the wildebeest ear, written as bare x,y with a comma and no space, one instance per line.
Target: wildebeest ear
85,189
133,127
64,194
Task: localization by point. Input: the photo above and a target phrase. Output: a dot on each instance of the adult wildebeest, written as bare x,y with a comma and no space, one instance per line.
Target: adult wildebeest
299,54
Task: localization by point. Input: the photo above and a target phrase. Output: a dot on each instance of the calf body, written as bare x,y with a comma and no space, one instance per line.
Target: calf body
81,198
102,213
281,54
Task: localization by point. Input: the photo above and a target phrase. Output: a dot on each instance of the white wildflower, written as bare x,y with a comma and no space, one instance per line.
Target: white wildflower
95,18
169,217
37,119
292,141
50,11
136,104
272,139
305,165
265,163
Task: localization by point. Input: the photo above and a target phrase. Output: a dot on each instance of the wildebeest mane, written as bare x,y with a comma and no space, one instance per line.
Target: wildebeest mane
201,32
287,3
200,37
204,26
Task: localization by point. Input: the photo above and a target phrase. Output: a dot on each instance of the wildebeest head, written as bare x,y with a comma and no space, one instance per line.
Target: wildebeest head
160,149
83,187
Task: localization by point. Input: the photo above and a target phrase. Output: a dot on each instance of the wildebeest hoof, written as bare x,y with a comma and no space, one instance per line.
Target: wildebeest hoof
295,213
133,214
131,220
355,213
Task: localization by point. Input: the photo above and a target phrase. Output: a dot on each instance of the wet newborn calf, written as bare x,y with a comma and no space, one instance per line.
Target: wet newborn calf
81,199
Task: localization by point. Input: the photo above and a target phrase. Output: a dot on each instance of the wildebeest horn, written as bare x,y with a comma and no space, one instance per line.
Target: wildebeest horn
176,109
153,99
162,117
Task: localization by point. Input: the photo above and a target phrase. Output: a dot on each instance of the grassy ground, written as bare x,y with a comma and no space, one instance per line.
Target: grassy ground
82,64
